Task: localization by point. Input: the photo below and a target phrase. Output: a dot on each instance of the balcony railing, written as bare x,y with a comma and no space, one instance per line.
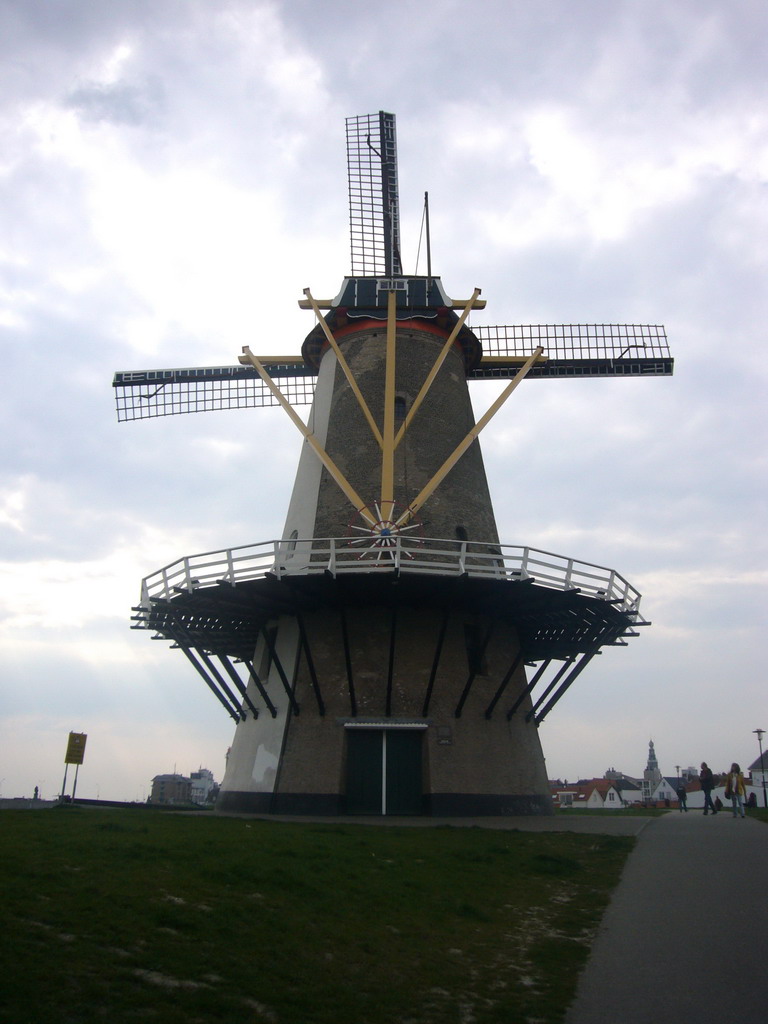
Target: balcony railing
296,557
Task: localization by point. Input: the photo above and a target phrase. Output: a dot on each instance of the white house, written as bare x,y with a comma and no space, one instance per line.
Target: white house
666,789
759,772
604,796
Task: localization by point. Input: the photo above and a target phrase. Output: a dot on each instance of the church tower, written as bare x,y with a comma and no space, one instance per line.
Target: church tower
651,775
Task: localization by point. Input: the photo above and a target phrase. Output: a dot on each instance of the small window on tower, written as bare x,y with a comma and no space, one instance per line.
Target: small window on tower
461,533
399,408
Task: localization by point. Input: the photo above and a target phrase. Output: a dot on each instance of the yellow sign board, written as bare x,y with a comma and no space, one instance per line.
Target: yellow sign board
76,748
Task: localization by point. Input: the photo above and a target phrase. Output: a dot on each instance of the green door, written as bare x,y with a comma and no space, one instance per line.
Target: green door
364,771
403,763
384,771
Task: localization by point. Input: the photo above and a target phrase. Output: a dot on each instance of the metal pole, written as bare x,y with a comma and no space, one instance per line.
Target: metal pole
429,243
759,733
64,783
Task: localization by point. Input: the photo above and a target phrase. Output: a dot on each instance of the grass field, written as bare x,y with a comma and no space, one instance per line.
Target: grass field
132,915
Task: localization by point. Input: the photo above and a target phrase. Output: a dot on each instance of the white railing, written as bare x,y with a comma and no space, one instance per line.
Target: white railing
336,555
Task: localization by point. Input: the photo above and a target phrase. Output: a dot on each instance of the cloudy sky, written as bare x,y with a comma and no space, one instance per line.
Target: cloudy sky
173,174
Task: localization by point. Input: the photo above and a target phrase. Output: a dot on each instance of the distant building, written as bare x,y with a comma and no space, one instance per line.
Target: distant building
651,775
622,777
616,790
596,794
665,791
759,771
602,795
565,794
171,789
204,788
630,790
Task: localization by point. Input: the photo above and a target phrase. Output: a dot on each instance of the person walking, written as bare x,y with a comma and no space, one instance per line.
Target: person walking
682,797
707,784
735,789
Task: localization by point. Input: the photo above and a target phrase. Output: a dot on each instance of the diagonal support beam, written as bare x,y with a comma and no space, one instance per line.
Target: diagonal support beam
345,367
436,660
254,676
474,672
232,673
529,688
435,369
388,441
452,459
203,665
310,664
215,674
504,683
270,642
233,711
348,661
249,359
549,688
585,660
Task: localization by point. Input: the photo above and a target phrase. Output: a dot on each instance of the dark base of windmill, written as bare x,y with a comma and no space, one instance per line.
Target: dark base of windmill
228,621
433,805
387,694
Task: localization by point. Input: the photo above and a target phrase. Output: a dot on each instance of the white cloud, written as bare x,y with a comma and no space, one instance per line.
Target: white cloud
54,594
173,176
12,506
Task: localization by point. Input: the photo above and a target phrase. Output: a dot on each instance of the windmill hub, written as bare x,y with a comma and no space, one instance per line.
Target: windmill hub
375,533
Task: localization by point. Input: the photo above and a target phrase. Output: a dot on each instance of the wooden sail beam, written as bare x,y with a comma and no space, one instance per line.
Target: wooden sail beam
249,359
452,459
438,363
387,497
345,367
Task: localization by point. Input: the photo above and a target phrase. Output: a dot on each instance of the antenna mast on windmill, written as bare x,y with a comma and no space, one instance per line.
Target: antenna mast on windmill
389,654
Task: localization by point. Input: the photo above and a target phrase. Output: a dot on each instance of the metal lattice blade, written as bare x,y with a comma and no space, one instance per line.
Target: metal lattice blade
575,350
571,350
144,394
374,206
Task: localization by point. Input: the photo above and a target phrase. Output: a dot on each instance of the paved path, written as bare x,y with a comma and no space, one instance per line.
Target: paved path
685,937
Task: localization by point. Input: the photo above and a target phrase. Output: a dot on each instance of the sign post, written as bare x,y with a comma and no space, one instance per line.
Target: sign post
74,755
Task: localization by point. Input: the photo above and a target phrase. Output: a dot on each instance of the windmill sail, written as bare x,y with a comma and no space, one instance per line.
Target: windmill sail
571,350
374,205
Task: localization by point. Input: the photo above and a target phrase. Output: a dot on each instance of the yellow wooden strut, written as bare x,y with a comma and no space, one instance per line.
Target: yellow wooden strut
249,359
388,440
452,459
388,447
345,367
438,363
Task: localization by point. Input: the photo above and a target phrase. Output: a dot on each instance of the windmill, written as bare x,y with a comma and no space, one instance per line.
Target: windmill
389,654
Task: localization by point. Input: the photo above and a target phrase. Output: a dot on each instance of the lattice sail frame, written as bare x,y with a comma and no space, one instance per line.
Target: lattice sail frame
374,205
571,350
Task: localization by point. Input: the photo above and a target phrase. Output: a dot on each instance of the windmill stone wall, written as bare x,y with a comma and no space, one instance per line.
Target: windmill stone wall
441,423
467,763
